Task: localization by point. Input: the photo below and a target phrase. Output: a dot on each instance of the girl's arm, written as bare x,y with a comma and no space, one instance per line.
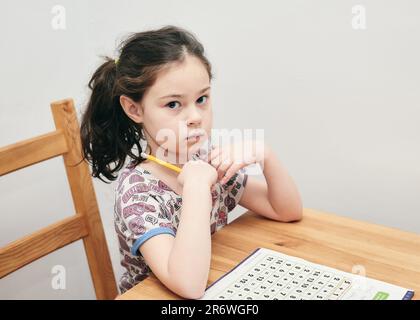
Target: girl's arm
276,198
182,263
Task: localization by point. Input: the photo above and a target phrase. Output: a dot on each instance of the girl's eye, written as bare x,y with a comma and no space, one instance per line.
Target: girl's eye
204,100
170,105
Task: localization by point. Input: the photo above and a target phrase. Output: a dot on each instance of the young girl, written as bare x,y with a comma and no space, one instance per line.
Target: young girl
161,83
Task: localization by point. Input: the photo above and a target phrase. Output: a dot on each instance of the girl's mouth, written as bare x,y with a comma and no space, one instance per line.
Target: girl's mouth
194,137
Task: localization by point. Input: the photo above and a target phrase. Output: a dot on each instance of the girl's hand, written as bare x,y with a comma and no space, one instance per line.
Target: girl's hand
229,159
197,170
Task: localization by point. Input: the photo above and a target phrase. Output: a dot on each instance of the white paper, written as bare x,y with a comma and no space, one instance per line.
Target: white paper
270,275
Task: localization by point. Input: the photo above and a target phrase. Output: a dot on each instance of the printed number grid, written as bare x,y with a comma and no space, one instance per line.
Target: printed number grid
276,278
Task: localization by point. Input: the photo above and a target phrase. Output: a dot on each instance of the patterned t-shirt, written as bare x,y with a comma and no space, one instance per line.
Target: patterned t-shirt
145,206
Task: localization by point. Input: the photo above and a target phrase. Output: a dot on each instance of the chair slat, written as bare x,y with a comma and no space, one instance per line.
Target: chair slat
29,248
28,152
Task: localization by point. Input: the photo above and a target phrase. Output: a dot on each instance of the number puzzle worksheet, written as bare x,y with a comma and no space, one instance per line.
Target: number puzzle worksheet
270,275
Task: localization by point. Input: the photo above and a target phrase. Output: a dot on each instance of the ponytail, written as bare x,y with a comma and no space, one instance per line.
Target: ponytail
107,134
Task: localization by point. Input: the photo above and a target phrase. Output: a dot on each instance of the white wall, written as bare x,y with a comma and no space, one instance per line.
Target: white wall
340,106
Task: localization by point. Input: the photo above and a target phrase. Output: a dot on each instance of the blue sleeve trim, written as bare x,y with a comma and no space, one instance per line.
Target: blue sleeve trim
147,236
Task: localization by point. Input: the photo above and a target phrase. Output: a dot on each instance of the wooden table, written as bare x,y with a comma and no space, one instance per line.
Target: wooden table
384,253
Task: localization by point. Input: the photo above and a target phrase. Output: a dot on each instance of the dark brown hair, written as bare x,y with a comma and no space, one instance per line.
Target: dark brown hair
108,135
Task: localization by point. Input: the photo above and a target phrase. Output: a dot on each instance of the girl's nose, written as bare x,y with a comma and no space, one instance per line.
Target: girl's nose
194,115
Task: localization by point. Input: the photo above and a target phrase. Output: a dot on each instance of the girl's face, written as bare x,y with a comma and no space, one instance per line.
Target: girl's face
177,106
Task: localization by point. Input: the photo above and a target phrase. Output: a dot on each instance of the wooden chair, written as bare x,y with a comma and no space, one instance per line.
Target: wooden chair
86,224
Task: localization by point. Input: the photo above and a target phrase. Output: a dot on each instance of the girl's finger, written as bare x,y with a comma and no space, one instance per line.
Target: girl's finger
231,171
216,159
224,166
215,155
221,151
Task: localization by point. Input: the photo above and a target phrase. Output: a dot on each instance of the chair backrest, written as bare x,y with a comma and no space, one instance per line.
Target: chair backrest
85,224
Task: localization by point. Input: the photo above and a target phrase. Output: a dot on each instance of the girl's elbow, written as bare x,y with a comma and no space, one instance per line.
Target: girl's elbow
298,214
191,289
194,295
291,215
192,292
297,217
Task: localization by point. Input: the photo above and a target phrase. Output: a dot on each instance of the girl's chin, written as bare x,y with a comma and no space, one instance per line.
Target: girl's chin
185,152
191,150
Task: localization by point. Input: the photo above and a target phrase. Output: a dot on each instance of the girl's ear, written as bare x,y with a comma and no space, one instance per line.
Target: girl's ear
132,109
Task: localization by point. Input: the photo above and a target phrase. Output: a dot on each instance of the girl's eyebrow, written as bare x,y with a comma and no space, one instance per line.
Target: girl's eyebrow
180,95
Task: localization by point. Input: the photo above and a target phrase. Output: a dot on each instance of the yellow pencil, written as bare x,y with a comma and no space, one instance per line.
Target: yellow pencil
161,162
